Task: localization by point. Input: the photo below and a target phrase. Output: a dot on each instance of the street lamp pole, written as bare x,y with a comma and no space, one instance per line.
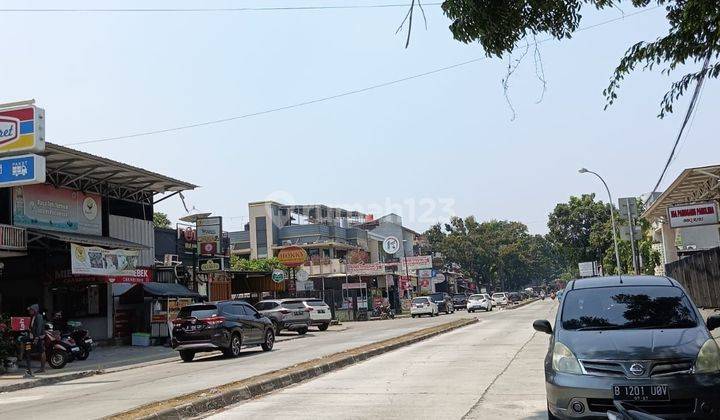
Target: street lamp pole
612,217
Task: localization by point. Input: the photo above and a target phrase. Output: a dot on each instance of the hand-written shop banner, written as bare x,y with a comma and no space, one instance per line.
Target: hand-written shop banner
103,262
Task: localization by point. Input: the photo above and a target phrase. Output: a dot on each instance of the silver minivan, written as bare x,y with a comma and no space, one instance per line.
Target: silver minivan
635,340
286,314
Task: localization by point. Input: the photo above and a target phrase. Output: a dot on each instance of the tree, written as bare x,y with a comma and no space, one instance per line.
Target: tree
501,26
262,264
160,220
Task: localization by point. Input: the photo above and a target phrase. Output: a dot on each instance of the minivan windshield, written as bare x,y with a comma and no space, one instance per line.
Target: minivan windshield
631,307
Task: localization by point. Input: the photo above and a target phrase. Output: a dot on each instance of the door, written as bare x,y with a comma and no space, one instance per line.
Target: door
257,327
234,313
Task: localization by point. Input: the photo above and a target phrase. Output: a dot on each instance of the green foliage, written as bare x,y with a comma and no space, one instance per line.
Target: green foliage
498,253
501,25
262,264
160,220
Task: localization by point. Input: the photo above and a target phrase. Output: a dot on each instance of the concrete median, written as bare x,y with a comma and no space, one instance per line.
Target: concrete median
196,403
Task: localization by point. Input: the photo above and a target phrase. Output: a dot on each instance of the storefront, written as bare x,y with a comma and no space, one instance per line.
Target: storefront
88,231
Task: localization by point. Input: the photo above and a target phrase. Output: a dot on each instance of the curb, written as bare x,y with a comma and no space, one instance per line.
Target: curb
520,305
199,402
48,381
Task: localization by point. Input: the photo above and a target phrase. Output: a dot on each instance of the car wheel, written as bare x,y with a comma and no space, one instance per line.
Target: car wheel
269,340
302,331
187,356
324,327
235,346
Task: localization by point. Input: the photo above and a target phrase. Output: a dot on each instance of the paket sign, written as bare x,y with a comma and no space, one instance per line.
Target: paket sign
693,215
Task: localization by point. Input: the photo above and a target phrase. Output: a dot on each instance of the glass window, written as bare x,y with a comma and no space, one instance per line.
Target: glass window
419,300
476,297
198,311
316,303
296,304
627,307
249,310
264,306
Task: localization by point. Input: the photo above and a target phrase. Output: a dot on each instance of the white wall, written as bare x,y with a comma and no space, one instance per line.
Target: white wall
138,231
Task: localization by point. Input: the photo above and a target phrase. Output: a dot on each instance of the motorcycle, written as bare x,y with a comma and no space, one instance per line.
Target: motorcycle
59,349
386,312
80,336
629,413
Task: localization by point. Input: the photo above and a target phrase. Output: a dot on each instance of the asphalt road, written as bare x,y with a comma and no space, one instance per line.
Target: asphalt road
106,394
490,370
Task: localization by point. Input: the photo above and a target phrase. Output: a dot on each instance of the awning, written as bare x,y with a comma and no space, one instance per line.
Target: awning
169,290
692,186
83,239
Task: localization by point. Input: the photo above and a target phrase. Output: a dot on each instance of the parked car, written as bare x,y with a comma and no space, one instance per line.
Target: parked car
286,314
480,301
514,297
459,301
501,298
423,306
320,314
227,326
637,339
443,301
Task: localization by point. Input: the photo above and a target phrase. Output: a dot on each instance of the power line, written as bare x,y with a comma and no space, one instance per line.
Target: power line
688,114
218,9
332,97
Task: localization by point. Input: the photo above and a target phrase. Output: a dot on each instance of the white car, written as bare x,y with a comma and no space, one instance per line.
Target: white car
500,298
320,314
423,306
480,301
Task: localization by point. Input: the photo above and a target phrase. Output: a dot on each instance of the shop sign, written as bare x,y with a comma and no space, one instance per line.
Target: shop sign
693,215
209,235
187,236
371,269
439,278
425,273
98,261
304,286
46,207
302,275
22,129
278,276
405,283
391,245
142,275
292,256
22,170
416,263
354,286
212,264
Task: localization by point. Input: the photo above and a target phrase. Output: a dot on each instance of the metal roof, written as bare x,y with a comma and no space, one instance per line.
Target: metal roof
693,185
83,239
82,171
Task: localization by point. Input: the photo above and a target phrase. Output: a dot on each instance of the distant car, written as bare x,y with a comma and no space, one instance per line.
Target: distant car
286,314
459,301
480,301
638,340
514,297
443,301
423,306
320,314
501,298
227,326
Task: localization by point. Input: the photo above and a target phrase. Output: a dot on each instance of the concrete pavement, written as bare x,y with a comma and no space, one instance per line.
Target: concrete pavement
489,370
110,393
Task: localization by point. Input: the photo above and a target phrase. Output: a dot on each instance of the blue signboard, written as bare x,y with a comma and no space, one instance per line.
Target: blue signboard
22,170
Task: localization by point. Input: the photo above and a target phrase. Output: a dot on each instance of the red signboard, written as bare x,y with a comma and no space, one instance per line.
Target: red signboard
140,275
20,323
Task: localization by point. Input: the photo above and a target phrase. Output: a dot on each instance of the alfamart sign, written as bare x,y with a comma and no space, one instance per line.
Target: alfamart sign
22,129
699,214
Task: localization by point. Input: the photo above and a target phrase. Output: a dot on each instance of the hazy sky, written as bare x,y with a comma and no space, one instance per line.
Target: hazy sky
425,148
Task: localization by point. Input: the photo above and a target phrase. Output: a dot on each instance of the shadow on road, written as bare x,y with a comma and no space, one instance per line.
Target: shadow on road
538,415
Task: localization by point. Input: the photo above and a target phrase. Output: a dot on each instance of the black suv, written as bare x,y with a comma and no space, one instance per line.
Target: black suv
443,301
459,301
227,326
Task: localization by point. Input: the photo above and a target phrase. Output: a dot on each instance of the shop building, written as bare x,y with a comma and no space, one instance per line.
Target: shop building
73,243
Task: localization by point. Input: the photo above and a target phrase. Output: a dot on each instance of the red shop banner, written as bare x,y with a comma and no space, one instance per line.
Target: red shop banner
140,275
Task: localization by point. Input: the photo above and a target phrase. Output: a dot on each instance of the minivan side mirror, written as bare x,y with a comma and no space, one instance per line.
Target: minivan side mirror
543,325
713,322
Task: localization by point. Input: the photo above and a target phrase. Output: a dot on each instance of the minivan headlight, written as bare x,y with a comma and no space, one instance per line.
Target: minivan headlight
708,358
563,360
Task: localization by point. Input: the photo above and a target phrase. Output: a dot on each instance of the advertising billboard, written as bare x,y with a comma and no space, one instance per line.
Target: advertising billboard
103,262
209,235
46,207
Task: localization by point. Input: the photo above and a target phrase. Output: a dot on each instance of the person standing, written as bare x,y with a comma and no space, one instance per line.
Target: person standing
37,334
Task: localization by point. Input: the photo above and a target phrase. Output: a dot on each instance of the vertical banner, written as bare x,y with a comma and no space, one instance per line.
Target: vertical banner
209,235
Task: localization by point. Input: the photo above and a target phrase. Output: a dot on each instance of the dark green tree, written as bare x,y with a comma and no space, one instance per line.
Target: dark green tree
160,220
503,26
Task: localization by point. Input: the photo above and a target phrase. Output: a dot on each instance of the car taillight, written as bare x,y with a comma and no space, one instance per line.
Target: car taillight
177,321
284,311
309,309
214,321
427,304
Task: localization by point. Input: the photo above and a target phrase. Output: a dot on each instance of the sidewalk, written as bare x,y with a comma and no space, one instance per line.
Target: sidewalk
107,359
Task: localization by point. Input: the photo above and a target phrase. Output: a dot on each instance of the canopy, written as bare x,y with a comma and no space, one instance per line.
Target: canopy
168,290
692,186
83,239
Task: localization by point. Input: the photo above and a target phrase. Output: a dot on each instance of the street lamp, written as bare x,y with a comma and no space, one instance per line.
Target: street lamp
612,216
